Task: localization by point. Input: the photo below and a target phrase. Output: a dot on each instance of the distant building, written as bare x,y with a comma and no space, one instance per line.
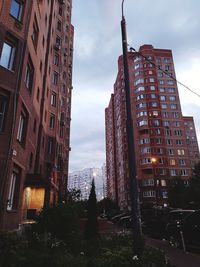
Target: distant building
81,180
36,51
165,141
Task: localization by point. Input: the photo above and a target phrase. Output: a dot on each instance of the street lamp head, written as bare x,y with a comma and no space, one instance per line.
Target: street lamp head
153,160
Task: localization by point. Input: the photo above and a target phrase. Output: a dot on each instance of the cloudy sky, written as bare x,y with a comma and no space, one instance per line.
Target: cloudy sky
172,24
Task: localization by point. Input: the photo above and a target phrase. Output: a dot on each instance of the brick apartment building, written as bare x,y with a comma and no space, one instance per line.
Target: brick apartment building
165,141
36,52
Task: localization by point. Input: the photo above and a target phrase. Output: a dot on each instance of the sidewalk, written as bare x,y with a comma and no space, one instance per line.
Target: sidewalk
176,256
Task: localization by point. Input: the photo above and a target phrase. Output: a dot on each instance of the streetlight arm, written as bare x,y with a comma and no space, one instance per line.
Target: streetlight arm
122,9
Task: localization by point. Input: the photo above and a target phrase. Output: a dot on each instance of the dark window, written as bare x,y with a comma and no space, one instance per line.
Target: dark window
56,59
31,160
16,9
29,74
55,78
3,107
59,25
52,121
34,125
35,33
60,11
50,146
8,55
13,195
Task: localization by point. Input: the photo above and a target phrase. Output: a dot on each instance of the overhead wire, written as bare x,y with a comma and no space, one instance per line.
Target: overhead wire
165,72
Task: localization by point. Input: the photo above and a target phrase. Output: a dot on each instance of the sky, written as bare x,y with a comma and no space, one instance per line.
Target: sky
172,24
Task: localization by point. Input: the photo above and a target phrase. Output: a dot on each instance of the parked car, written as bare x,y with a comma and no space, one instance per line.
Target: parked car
116,218
125,222
186,230
178,215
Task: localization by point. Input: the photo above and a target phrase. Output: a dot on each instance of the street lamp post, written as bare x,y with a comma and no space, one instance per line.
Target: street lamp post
134,194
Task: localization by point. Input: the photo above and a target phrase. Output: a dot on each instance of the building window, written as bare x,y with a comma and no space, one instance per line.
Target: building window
63,88
179,142
3,108
59,25
53,99
35,32
162,90
184,173
172,98
16,9
55,78
181,162
163,106
56,59
173,172
178,132
170,151
31,160
29,74
161,82
163,98
13,195
149,193
152,88
151,80
52,121
50,146
172,162
170,82
21,129
181,152
173,106
148,182
8,55
171,90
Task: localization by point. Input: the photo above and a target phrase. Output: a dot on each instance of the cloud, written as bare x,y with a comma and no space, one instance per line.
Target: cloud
172,24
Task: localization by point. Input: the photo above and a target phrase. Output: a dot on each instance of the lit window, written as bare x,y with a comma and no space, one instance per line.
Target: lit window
8,55
172,162
163,183
16,9
181,152
3,107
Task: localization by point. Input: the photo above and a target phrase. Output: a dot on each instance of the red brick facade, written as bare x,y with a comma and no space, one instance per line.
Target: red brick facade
161,142
35,105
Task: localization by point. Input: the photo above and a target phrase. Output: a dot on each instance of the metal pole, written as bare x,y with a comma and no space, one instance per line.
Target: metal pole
134,195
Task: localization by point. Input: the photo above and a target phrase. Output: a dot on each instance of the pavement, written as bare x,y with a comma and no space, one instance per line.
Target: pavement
176,256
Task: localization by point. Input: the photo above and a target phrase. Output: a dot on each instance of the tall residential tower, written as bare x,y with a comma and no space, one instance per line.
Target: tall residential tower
163,137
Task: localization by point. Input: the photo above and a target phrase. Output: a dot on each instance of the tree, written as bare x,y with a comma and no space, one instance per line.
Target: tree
73,195
194,187
91,228
177,193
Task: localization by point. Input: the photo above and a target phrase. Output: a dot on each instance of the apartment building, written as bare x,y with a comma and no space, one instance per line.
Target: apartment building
161,132
36,53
